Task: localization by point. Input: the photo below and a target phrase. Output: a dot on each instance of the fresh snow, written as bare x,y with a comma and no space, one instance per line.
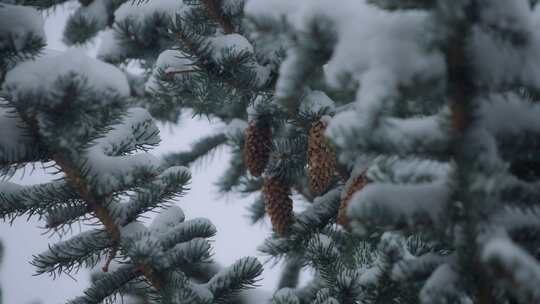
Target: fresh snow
168,219
515,63
444,281
137,129
38,76
173,62
113,171
236,44
496,110
515,265
110,49
235,128
97,12
140,12
368,56
233,42
17,23
390,204
315,101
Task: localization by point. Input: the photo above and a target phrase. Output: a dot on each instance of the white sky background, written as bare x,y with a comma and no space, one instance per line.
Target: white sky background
235,237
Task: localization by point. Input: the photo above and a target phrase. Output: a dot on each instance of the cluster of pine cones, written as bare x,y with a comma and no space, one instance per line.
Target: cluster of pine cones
321,172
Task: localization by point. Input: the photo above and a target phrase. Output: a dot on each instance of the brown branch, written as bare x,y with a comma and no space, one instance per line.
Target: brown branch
77,181
461,91
110,258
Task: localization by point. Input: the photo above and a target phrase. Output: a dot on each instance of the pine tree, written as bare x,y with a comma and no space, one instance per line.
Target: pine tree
74,113
435,186
455,210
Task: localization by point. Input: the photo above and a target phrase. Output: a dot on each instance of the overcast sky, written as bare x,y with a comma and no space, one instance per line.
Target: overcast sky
235,238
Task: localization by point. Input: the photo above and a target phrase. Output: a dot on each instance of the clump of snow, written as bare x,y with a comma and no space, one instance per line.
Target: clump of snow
368,56
194,228
390,204
140,242
110,48
443,283
139,12
370,276
97,12
315,101
393,246
18,23
516,62
252,109
137,129
167,219
173,59
497,108
114,172
232,42
416,134
517,267
38,77
261,73
235,128
410,265
132,230
316,214
407,170
174,63
235,44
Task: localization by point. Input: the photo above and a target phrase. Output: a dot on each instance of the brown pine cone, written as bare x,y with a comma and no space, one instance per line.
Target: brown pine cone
278,204
321,158
257,147
358,184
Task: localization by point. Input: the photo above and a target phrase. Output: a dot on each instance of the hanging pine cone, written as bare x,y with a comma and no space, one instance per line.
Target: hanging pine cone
278,204
257,147
321,158
358,184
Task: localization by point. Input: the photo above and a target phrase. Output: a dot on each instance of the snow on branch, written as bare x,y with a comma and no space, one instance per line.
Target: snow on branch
397,205
513,266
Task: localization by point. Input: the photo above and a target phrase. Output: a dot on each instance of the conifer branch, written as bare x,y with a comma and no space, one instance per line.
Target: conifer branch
195,48
78,182
213,10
